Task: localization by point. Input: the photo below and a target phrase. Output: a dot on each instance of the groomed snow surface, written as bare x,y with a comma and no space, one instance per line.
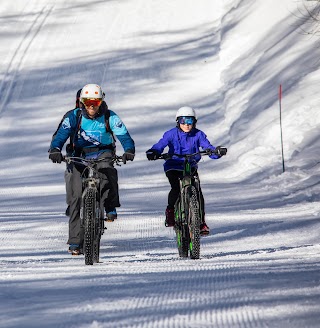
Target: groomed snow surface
259,267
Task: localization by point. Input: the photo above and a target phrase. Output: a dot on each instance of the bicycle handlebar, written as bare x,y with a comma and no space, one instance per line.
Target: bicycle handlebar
202,153
80,160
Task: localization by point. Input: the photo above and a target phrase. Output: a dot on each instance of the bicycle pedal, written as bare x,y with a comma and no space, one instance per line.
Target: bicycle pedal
109,219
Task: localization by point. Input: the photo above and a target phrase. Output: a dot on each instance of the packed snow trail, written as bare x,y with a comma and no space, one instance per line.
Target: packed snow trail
246,277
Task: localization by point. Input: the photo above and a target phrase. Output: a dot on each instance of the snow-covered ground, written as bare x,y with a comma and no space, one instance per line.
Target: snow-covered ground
226,58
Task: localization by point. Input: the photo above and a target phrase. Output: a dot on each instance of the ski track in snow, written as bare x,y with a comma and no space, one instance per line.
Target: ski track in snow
141,282
11,75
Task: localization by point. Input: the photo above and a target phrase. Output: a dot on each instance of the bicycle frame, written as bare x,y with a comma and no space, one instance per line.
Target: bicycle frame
189,179
187,219
92,181
188,210
92,209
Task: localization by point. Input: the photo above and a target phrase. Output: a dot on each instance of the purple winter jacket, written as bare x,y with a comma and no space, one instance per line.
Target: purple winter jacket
180,142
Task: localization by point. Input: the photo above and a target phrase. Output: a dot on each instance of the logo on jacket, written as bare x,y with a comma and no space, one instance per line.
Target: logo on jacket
91,136
118,123
66,123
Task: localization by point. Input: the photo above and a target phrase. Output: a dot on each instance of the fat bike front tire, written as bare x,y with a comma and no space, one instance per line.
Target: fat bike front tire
182,242
96,251
182,234
194,220
88,220
99,229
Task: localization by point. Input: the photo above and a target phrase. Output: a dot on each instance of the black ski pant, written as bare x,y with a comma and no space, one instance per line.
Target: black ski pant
68,181
174,177
68,175
109,194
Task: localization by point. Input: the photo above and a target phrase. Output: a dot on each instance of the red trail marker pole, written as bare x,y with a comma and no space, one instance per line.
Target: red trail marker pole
280,99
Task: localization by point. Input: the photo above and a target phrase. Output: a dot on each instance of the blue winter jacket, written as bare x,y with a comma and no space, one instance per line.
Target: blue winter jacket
180,142
92,132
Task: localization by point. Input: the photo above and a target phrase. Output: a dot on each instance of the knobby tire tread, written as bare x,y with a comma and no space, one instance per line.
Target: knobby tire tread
182,241
194,223
89,219
182,233
98,232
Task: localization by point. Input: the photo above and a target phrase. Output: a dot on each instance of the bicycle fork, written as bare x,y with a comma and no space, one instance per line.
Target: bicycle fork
89,184
181,207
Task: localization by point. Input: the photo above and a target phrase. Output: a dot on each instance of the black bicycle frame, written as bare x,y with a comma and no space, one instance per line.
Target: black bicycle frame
188,179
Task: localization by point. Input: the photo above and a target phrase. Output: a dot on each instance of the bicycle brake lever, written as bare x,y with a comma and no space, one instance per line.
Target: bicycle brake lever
165,156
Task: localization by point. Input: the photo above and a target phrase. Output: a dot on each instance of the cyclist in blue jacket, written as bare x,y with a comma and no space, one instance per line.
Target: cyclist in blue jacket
185,138
92,139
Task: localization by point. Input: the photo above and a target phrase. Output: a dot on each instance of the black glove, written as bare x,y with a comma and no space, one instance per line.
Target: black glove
55,155
152,154
221,151
128,156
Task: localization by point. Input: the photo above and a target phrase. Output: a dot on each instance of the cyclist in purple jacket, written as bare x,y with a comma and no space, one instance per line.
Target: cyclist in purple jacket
185,138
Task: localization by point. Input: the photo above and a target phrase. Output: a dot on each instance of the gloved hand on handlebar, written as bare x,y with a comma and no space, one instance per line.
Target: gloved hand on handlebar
152,154
55,155
209,151
128,156
221,151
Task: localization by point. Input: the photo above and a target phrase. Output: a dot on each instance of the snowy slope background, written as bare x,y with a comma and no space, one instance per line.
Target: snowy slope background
260,265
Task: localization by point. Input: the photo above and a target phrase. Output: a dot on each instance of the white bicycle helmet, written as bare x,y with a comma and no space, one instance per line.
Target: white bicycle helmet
186,111
92,91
